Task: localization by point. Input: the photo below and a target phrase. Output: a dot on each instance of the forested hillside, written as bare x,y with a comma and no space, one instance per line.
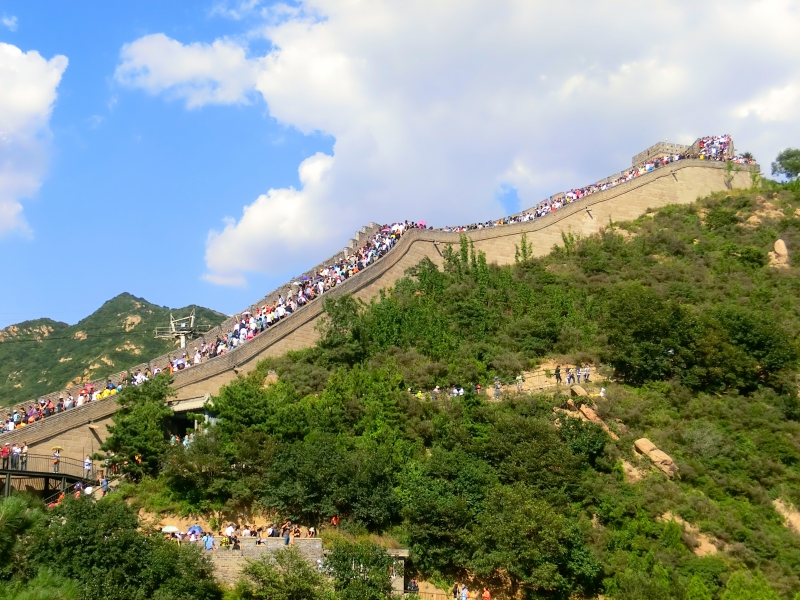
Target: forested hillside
43,355
698,332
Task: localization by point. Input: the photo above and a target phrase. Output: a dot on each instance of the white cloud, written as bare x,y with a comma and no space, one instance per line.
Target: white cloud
9,23
246,245
778,104
200,74
435,106
28,85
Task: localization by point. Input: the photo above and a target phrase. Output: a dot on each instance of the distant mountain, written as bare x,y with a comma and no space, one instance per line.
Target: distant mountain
43,355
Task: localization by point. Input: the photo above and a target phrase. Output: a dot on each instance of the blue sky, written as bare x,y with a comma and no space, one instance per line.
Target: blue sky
134,183
205,152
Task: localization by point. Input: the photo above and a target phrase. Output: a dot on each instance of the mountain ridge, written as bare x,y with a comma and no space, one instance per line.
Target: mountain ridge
39,355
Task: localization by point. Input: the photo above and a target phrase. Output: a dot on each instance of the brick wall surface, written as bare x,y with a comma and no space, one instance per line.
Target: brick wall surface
228,564
679,183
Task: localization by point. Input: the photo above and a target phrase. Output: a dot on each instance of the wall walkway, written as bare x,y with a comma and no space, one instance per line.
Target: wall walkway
679,183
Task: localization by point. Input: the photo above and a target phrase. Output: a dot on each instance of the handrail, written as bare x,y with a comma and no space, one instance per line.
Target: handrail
37,464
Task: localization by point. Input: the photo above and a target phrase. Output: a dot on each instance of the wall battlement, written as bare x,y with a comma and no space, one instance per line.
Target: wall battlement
679,183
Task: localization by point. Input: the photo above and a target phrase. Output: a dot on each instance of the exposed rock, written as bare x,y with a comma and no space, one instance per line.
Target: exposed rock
706,545
132,321
660,459
80,335
573,414
789,513
592,416
577,390
623,429
633,474
270,379
780,257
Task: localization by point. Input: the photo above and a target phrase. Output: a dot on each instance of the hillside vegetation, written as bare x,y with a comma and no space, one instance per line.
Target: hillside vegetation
701,334
43,355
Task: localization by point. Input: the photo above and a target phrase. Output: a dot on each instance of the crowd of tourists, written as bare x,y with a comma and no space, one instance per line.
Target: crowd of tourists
249,324
15,456
22,417
230,537
715,148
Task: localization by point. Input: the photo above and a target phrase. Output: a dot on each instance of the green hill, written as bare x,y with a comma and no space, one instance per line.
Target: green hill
43,355
695,317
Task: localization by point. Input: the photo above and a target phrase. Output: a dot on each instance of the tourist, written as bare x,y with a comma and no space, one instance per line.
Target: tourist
558,374
23,457
15,450
5,453
286,532
464,593
56,459
208,542
87,467
487,595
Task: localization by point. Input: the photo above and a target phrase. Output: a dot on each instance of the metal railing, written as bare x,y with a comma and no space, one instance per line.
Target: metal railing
39,464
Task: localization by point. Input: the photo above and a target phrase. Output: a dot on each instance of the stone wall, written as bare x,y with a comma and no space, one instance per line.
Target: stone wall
658,149
228,564
79,431
680,183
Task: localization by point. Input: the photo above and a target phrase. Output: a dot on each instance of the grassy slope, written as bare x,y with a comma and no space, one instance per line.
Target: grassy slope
434,465
43,355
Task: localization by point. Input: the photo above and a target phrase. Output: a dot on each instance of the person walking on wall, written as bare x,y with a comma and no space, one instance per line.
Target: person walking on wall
56,460
558,375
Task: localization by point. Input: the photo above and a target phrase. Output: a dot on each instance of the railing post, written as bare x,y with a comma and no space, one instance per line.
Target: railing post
7,490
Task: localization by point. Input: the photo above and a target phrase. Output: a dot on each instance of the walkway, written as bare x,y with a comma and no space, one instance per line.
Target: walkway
40,466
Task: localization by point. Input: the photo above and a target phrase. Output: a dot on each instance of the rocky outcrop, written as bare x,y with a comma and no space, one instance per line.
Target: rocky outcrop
779,259
577,390
592,417
660,459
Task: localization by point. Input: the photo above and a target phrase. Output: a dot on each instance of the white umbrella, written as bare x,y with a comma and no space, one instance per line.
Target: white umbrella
170,529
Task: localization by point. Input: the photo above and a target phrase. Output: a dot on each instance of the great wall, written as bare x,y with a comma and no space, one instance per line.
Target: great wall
81,430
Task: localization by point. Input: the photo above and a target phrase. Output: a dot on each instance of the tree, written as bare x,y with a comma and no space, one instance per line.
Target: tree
100,545
138,437
18,515
528,541
744,585
360,570
697,589
45,586
285,575
787,163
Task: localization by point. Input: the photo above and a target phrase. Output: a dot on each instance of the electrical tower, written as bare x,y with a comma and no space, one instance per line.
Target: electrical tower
178,329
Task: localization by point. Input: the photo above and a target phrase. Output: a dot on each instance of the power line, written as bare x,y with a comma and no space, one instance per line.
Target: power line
96,334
